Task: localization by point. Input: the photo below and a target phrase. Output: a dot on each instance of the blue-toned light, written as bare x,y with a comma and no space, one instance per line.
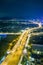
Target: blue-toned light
3,36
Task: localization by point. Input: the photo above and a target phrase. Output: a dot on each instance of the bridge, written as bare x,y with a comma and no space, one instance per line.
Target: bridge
15,54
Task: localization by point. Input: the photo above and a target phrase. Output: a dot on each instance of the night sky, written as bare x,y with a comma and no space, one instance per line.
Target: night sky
21,8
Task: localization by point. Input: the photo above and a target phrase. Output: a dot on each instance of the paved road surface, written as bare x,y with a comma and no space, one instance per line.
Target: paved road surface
16,53
14,57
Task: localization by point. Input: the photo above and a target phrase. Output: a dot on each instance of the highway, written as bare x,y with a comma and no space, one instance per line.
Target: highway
14,57
37,33
11,33
15,54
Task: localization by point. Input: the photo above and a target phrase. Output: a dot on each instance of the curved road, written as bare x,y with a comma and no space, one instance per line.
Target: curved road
16,53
